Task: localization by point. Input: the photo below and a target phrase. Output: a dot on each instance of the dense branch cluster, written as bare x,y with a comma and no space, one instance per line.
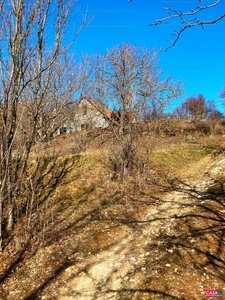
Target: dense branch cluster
33,89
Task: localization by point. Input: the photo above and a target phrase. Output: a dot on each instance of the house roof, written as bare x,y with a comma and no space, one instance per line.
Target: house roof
100,107
107,112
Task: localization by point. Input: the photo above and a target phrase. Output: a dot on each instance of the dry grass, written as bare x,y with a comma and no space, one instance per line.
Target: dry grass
88,213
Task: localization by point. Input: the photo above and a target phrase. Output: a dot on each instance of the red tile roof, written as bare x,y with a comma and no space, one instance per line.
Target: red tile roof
107,112
103,109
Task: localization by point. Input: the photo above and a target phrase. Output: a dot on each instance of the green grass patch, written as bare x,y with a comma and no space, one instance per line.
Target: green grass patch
181,155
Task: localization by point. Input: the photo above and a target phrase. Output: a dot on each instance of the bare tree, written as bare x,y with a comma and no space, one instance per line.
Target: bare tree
61,83
128,78
189,19
196,108
222,94
32,44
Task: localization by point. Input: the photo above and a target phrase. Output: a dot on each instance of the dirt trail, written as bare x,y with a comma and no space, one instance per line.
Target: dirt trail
148,261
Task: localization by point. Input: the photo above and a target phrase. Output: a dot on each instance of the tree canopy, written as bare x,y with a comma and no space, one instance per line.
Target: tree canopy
196,108
129,79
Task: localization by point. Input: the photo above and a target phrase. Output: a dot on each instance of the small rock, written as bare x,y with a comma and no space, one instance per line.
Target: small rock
133,259
168,265
170,250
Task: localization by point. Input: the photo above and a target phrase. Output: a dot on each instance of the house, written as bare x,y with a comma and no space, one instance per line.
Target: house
89,114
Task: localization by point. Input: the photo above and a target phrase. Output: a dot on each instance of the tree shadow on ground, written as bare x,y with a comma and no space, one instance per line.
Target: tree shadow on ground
192,247
31,219
172,249
189,246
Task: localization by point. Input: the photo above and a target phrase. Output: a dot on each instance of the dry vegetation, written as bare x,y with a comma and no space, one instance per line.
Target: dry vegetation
156,234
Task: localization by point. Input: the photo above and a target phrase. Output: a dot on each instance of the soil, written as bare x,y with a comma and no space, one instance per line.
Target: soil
176,249
172,248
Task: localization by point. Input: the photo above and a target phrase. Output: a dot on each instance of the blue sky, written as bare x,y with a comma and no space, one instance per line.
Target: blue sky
198,59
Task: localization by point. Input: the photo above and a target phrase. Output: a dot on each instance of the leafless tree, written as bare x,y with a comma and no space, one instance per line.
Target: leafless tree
222,94
189,19
33,40
128,78
61,82
196,108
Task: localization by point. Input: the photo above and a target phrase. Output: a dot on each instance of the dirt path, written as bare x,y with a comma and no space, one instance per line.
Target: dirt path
165,255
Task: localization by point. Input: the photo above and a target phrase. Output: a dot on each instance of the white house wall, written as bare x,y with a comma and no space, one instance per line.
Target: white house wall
93,117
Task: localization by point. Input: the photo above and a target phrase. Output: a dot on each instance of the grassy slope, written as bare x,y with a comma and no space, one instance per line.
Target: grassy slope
88,213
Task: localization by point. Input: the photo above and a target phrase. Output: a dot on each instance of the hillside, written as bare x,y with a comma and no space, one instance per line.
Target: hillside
154,235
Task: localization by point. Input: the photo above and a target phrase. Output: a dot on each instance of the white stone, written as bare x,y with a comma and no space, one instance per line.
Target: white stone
168,265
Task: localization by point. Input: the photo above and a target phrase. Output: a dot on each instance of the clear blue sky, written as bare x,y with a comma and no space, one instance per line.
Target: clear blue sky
198,59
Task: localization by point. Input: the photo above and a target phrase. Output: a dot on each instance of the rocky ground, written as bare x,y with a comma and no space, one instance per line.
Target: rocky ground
175,250
172,246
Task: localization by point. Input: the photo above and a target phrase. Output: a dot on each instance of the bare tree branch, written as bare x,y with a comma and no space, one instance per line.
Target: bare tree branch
188,19
129,79
33,81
